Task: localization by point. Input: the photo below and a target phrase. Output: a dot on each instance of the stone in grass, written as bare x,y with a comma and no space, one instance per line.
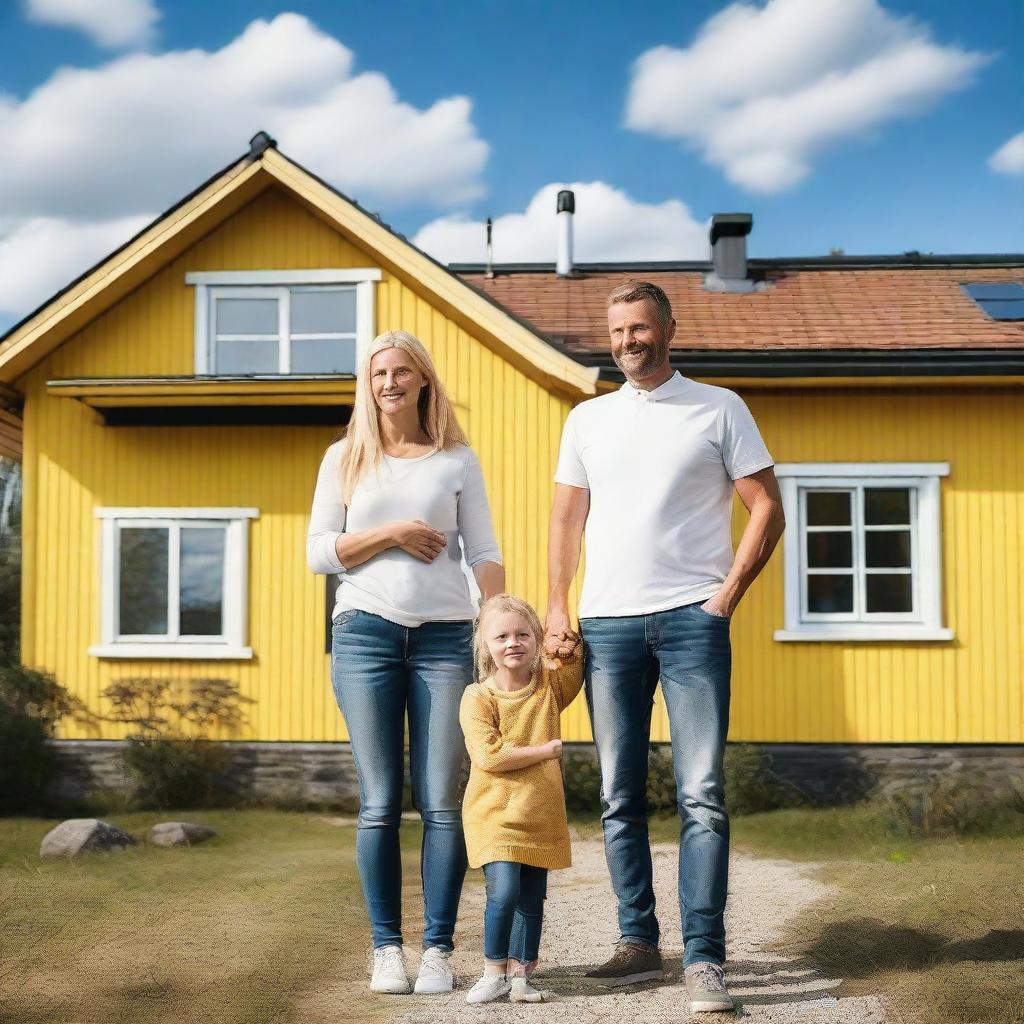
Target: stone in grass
78,835
179,833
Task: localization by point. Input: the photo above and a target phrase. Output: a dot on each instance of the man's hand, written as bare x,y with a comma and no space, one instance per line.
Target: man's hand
560,639
717,605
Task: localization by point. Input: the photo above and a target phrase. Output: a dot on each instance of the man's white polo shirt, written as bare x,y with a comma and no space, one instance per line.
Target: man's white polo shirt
659,466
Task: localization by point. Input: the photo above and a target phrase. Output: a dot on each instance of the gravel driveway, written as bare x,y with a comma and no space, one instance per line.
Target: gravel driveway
580,930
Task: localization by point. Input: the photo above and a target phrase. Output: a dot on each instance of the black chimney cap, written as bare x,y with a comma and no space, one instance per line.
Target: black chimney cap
259,143
730,225
566,201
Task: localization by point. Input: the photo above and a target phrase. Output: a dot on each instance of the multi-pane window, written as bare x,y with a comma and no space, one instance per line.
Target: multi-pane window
282,322
858,556
174,582
293,330
862,551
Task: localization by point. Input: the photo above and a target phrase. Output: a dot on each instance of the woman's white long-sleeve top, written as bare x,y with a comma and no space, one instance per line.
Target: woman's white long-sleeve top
444,489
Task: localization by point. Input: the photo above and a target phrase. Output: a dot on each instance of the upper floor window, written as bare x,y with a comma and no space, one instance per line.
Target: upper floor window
862,551
294,322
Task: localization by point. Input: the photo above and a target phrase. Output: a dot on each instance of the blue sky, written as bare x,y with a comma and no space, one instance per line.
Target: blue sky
865,124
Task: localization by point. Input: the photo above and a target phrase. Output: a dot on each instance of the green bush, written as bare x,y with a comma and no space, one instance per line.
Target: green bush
953,805
178,772
750,784
31,704
170,761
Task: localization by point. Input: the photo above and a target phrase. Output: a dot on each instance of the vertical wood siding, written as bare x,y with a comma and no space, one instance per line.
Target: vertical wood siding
74,464
967,690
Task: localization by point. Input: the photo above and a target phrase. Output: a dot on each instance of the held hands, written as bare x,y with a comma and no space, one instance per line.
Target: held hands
560,640
418,539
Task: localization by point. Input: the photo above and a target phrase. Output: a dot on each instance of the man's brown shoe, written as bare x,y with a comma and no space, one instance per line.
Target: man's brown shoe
629,964
705,985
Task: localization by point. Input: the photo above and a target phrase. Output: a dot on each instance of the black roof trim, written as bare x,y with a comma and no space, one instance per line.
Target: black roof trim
834,363
906,261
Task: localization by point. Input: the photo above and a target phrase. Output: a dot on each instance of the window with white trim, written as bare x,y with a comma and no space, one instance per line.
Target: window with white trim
174,582
862,551
282,323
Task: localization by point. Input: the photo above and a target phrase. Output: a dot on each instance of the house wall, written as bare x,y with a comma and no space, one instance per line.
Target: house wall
74,464
963,691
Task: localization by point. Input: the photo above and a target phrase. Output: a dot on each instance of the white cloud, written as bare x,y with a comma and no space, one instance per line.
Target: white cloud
142,130
94,149
608,225
1009,157
112,23
763,89
43,254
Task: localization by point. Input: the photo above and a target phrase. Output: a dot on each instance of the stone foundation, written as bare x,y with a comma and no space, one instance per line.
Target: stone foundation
324,773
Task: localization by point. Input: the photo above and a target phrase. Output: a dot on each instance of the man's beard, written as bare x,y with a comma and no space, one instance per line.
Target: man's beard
641,364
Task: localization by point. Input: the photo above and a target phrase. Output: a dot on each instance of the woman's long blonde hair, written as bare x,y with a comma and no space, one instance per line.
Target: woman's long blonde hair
485,666
437,416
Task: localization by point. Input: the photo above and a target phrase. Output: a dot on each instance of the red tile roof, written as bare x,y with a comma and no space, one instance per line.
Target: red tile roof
877,308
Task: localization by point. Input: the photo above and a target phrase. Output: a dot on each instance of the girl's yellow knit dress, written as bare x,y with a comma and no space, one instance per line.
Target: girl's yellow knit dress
517,815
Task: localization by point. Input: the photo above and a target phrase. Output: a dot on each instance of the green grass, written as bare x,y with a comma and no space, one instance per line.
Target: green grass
935,925
263,923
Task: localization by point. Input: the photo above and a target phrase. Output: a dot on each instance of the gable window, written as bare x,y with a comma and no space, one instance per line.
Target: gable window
862,551
174,583
282,323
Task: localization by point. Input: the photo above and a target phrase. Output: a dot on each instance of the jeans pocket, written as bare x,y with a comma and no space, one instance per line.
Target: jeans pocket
343,618
712,615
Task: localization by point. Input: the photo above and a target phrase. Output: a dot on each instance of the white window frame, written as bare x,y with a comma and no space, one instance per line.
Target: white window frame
211,285
922,478
232,644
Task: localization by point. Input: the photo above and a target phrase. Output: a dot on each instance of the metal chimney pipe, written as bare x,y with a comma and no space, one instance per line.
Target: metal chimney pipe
490,250
565,209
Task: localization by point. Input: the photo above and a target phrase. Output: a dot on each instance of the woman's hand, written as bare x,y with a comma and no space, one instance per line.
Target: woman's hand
418,539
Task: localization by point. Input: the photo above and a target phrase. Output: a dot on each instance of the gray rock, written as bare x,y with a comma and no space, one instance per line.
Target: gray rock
78,835
179,833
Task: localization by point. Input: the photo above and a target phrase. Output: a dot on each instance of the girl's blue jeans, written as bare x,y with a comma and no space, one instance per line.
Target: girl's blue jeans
381,671
514,914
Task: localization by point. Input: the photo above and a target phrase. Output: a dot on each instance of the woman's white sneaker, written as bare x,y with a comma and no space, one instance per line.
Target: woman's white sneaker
435,975
389,971
488,988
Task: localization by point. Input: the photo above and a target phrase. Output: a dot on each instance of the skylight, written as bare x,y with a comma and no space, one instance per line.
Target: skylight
999,301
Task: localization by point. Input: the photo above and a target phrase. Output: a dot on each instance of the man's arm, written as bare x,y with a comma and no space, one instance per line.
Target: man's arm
565,535
760,493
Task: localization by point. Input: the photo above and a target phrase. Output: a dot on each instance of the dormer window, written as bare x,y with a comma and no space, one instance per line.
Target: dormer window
282,323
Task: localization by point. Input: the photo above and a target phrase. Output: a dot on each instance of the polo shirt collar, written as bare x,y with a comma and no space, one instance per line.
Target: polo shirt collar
672,387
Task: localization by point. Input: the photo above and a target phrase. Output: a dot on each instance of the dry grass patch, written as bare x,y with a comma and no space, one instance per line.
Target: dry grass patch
263,923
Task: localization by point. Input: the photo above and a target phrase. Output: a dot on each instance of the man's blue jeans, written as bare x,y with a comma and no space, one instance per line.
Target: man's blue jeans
379,670
514,914
689,650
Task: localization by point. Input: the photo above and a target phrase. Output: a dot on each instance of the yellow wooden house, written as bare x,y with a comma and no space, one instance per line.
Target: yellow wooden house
176,399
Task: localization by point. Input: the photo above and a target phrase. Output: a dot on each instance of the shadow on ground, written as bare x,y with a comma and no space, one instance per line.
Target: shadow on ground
863,947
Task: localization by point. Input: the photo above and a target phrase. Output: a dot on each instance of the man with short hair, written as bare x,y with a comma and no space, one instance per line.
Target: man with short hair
649,470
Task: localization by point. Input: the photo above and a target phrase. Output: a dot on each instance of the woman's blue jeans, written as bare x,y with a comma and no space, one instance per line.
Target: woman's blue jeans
689,650
381,670
514,914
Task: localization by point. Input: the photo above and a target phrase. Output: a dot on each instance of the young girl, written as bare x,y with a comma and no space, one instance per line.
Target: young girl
514,809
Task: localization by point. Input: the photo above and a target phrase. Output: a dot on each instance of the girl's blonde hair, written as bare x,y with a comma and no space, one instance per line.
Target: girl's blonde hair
493,606
437,416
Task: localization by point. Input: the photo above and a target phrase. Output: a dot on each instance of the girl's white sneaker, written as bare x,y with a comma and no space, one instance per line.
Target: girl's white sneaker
435,975
488,988
389,971
524,992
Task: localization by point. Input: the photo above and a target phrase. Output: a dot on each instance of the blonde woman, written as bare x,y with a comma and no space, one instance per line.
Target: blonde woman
393,500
